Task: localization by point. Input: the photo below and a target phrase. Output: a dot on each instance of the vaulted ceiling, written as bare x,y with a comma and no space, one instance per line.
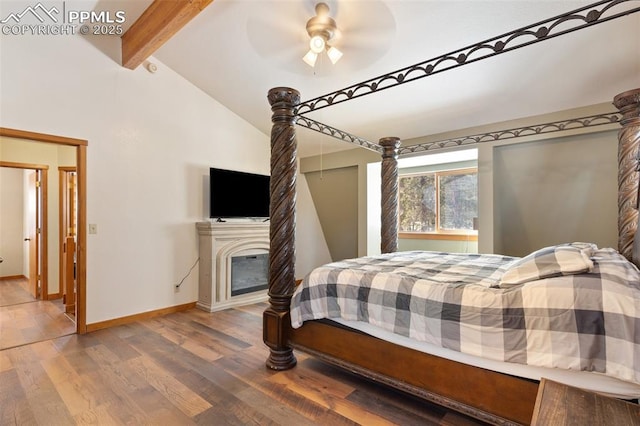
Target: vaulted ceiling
236,50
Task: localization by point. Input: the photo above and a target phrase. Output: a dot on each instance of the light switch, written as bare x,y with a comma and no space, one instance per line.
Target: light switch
93,228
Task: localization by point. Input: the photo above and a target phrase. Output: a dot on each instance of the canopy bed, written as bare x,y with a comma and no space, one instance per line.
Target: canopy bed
429,336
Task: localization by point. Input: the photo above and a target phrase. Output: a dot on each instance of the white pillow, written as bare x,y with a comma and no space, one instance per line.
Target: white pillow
548,262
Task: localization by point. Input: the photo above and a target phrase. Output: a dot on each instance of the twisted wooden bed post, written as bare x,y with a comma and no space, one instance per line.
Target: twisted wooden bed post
628,165
389,217
282,211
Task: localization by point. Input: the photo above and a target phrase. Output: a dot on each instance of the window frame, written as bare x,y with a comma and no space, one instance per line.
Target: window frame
439,233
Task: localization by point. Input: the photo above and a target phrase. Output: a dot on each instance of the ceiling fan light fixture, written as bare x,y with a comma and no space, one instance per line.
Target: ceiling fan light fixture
317,44
310,58
334,54
321,28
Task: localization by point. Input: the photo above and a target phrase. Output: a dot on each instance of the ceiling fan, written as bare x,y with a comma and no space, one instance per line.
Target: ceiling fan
321,28
277,33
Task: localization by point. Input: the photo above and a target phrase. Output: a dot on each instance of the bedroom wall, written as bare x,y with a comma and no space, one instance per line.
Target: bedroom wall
152,139
555,191
344,202
405,244
586,158
335,196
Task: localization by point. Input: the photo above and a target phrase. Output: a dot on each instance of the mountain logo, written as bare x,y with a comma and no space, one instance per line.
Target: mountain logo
39,11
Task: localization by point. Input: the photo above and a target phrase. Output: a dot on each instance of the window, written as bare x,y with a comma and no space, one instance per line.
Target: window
442,202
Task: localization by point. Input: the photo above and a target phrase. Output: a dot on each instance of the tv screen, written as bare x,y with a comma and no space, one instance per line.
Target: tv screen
238,194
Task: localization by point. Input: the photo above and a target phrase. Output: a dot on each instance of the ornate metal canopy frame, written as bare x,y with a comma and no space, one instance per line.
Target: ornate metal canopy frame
538,129
337,133
587,16
571,21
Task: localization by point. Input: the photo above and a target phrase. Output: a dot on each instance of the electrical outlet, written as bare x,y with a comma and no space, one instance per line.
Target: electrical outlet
176,288
93,228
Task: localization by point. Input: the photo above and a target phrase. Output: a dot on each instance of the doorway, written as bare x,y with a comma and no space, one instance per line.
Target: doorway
25,205
29,311
77,254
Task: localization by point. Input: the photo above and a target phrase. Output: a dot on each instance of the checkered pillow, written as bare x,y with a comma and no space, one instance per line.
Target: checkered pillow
548,262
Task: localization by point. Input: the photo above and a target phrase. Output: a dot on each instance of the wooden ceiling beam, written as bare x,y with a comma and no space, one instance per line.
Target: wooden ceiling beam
161,20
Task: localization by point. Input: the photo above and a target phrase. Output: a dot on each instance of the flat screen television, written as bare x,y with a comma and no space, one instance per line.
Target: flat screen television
235,194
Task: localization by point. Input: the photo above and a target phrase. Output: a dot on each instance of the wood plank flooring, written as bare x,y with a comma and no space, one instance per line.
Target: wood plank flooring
14,291
24,319
188,368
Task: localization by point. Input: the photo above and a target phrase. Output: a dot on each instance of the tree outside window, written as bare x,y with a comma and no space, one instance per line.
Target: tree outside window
438,202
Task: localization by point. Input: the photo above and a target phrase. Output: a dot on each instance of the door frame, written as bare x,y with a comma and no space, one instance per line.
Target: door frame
64,212
81,250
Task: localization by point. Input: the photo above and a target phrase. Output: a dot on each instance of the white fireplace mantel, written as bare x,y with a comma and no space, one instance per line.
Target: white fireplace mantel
218,243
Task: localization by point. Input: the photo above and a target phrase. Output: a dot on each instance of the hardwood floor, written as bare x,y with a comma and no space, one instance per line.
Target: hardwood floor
187,368
14,291
24,319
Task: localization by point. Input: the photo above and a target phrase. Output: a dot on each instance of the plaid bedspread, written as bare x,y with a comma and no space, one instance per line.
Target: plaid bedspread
588,321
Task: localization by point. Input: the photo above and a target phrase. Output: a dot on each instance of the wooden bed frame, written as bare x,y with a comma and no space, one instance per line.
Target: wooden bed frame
489,396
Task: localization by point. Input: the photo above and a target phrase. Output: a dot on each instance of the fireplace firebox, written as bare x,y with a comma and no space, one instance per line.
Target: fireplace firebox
249,273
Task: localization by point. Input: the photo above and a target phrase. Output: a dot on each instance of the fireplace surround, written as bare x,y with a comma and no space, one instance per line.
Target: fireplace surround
232,252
